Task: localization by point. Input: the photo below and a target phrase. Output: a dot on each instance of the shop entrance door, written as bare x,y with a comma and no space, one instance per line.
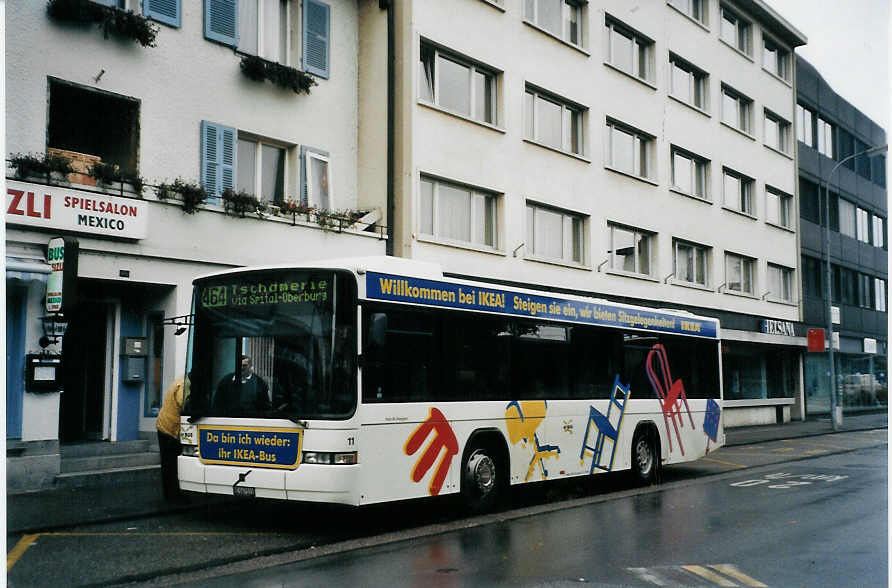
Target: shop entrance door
85,352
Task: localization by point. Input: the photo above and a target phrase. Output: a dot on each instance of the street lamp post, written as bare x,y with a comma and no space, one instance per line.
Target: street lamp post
835,411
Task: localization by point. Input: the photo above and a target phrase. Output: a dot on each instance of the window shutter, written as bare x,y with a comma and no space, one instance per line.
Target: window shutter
218,158
316,38
221,21
164,11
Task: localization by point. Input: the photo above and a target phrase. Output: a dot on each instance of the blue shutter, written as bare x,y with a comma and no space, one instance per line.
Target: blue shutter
317,39
168,12
218,163
221,21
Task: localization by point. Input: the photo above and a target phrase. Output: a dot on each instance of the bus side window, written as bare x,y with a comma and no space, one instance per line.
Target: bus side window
404,371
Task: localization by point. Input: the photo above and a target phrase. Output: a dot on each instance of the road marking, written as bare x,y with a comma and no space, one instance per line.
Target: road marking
160,534
723,462
709,575
19,550
733,572
647,575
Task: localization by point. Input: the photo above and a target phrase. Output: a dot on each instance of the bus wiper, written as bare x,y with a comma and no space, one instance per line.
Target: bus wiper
194,417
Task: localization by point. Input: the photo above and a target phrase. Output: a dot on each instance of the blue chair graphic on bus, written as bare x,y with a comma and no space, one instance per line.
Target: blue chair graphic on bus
607,431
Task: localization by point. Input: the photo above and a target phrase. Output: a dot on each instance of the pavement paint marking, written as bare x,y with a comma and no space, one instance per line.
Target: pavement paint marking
706,574
19,550
723,462
647,575
732,572
159,534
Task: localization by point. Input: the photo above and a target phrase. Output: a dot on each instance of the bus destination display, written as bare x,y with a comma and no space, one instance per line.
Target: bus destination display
265,293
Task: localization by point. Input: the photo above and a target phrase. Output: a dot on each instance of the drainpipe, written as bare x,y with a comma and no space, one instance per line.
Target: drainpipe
391,83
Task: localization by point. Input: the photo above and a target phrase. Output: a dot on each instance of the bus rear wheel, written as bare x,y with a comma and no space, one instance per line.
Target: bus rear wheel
644,457
481,479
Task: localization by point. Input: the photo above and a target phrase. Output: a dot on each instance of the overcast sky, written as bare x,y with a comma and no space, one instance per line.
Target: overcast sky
848,43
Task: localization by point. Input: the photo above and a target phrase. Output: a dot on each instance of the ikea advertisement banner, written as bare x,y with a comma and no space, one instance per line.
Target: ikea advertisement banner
468,297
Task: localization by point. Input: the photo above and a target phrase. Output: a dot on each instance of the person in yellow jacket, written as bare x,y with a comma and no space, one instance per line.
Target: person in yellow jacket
168,425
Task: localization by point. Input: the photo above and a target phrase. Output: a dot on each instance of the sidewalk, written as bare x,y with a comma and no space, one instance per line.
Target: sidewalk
50,509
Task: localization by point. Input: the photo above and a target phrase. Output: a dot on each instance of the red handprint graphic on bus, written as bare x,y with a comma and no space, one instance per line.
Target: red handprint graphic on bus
444,438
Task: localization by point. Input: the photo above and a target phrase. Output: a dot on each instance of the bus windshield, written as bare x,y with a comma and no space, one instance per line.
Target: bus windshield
273,344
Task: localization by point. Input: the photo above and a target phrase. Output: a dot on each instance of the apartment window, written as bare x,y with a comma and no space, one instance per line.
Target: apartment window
878,231
737,110
738,192
316,188
862,225
866,291
688,83
845,147
776,59
847,222
553,121
458,213
777,132
862,161
780,282
690,173
96,123
555,234
695,9
812,276
561,18
778,208
809,201
848,280
805,125
739,274
631,250
691,263
629,150
736,32
878,173
628,50
825,138
457,84
262,27
880,294
261,169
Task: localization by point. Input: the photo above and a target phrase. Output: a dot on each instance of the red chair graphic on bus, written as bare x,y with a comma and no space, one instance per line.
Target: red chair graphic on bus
670,392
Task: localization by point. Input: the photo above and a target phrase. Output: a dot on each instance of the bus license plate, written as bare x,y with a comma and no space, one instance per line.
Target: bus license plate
243,491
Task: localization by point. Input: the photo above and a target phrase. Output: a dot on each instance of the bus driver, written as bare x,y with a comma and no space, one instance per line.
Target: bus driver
243,390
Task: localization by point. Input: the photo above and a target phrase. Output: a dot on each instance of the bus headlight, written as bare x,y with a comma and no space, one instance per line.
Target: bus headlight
190,450
330,458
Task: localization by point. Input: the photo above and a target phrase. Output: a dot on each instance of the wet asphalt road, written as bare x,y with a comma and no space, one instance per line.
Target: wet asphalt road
820,522
239,538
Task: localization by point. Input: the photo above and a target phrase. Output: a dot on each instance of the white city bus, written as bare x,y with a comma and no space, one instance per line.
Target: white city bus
369,380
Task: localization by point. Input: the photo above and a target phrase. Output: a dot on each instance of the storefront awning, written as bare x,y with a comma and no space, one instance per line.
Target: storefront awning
27,269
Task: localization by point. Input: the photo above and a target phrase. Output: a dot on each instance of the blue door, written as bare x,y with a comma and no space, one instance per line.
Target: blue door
15,358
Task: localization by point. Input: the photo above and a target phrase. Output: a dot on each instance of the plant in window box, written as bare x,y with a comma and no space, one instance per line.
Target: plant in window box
259,69
34,164
191,195
294,208
108,174
240,202
126,24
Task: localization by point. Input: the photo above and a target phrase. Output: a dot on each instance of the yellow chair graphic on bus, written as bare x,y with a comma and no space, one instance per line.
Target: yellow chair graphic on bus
523,418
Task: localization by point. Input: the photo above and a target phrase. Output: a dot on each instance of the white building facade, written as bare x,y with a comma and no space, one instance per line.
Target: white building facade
184,110
641,152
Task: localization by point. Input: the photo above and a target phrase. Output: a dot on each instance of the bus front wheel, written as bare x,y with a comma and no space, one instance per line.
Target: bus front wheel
645,460
481,479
